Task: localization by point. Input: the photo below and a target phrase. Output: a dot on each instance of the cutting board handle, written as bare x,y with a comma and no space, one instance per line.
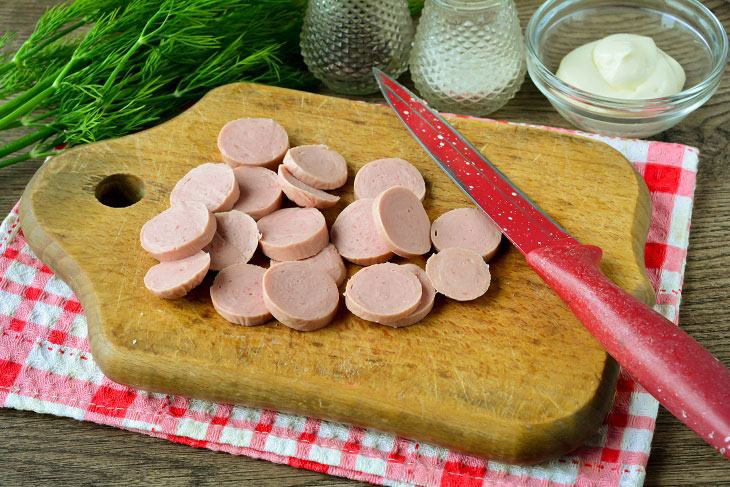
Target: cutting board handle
682,375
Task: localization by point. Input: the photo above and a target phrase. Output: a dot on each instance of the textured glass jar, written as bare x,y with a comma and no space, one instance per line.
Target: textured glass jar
468,55
342,40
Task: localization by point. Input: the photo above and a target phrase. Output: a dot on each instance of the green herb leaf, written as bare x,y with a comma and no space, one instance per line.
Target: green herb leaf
95,69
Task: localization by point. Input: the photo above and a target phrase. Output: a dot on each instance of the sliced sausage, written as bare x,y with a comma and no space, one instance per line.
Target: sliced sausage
300,295
327,260
427,298
460,274
303,194
402,222
355,236
293,233
178,232
253,142
235,241
211,184
176,278
317,165
377,176
468,228
237,295
260,191
384,293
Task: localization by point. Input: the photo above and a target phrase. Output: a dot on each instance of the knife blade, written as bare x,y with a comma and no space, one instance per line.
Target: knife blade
682,375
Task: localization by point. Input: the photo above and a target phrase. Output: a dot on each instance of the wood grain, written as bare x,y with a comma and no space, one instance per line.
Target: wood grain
43,449
517,378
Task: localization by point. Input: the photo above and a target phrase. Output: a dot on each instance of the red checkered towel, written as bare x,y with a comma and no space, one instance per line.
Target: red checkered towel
45,366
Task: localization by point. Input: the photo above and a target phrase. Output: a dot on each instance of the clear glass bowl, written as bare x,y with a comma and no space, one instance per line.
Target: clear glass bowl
684,29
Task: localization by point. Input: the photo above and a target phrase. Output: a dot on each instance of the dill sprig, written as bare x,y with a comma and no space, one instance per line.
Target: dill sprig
95,69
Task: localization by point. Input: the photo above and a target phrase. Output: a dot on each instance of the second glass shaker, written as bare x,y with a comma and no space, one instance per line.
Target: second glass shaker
468,55
342,40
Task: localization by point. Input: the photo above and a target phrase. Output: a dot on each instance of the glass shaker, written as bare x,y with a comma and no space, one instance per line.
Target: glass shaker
342,40
468,55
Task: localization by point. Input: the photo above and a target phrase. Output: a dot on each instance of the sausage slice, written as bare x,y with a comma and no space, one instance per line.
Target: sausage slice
210,183
260,191
317,165
327,260
355,236
303,194
235,241
460,274
402,222
468,228
300,295
253,142
293,233
237,295
377,176
384,293
178,232
176,278
427,298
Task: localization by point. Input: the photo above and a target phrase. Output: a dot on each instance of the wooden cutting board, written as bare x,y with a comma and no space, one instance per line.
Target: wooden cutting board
512,376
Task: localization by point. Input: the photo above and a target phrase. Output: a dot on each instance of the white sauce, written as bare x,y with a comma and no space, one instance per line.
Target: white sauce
626,66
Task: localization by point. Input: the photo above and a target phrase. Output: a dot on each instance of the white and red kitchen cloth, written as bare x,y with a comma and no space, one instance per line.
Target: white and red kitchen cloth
46,366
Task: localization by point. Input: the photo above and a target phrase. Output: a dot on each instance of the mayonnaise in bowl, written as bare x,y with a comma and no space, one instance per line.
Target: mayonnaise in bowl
625,66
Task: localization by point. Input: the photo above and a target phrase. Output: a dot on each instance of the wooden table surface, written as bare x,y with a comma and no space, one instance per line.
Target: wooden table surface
46,449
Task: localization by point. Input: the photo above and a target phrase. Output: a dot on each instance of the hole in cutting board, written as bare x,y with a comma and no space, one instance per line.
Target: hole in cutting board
119,190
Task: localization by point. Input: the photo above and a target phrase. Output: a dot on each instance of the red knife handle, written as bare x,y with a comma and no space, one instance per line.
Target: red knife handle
683,376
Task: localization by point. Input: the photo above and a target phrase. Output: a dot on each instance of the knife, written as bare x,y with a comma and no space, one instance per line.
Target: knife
683,376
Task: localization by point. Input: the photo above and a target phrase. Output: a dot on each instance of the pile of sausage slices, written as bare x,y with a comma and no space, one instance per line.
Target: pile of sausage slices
221,213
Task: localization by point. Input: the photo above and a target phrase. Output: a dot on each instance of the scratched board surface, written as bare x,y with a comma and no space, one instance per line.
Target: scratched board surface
512,375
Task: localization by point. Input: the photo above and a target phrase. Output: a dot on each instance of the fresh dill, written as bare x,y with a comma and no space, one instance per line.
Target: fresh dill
95,69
